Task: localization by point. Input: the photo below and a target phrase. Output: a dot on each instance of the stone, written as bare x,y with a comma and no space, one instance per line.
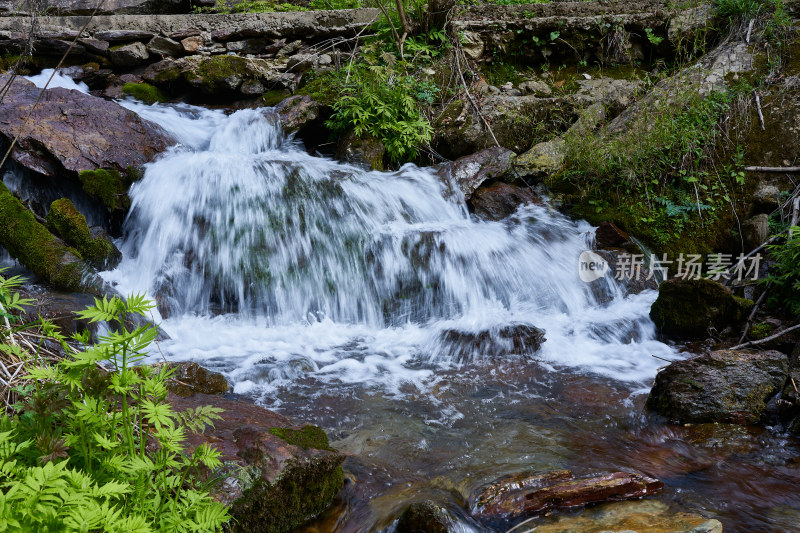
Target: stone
69,224
164,46
721,386
123,35
469,172
62,132
189,378
690,308
646,516
95,46
472,44
95,78
108,7
766,198
541,161
300,62
499,200
755,231
129,55
520,339
536,88
290,49
252,88
277,475
532,494
192,44
424,517
324,60
365,152
609,236
296,112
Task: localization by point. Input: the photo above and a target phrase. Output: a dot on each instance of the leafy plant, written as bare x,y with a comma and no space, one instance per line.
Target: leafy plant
784,276
90,449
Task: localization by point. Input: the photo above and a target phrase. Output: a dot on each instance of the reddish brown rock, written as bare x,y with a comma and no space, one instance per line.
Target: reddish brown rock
609,236
499,200
73,131
296,112
277,475
524,494
189,378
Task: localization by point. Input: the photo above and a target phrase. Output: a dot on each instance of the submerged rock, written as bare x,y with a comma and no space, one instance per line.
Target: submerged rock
609,236
471,171
63,133
296,112
277,475
722,386
689,308
499,200
96,247
530,494
647,516
424,517
511,339
366,152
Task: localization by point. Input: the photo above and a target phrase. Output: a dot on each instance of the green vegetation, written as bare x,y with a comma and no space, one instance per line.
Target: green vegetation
109,186
94,448
784,276
305,437
144,92
66,221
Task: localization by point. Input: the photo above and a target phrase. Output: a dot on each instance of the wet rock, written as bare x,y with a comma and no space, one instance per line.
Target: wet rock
471,171
424,517
689,308
95,77
164,46
35,247
609,236
722,386
526,494
504,340
366,152
189,378
300,62
58,307
129,55
296,112
499,200
62,134
277,475
632,281
646,516
68,223
541,161
755,231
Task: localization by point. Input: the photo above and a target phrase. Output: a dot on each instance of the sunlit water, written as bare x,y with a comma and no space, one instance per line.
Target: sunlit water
333,294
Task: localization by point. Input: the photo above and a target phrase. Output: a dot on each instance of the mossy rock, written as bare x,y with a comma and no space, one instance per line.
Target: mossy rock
689,308
109,186
144,92
305,437
67,222
35,247
219,74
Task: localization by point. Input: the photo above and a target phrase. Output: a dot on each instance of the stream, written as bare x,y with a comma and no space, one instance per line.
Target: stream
375,306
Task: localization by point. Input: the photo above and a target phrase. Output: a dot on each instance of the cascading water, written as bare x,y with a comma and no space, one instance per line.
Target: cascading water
296,263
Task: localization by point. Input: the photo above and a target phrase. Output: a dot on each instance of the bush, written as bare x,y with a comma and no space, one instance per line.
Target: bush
96,450
785,274
385,107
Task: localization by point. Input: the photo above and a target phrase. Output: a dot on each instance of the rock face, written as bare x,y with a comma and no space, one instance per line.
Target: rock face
64,132
278,475
688,308
722,386
471,171
499,200
647,516
526,494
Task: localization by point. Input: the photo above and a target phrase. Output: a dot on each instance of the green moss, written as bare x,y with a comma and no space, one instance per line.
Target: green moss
35,247
213,71
305,437
67,222
7,61
760,331
270,98
324,88
109,186
167,75
144,92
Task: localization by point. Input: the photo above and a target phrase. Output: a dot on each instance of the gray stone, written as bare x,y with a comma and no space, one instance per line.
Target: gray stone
129,55
123,35
755,231
536,88
95,46
469,172
541,161
164,46
252,88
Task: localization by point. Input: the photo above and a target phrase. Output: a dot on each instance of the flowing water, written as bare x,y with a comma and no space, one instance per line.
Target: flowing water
374,305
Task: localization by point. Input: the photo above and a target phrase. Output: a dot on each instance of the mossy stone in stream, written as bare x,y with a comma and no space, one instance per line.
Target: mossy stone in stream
304,489
35,247
109,186
144,92
67,222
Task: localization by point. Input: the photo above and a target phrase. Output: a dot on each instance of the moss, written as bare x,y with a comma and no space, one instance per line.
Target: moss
305,437
167,75
214,71
324,88
109,186
67,222
270,98
144,92
760,331
7,61
35,247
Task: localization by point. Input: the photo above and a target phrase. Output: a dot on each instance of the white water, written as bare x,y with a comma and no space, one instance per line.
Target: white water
273,264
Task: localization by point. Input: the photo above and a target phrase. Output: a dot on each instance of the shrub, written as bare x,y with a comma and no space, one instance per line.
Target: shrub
784,276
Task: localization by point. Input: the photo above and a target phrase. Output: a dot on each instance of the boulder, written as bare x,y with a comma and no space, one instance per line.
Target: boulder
365,152
128,55
296,112
646,516
62,133
541,161
536,88
164,46
689,308
755,231
500,199
277,475
189,378
531,494
522,339
469,172
424,517
69,224
608,236
721,386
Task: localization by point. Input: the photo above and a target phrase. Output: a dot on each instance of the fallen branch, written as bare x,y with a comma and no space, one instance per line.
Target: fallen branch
760,114
749,30
767,339
795,214
773,169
